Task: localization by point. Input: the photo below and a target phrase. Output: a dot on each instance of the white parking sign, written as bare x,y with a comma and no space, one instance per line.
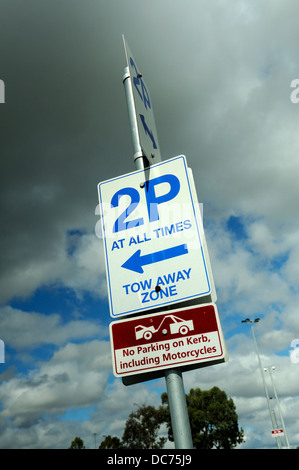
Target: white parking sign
153,239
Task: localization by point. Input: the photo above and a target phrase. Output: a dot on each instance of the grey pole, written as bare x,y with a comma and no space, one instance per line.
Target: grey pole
178,409
265,386
263,377
138,154
278,406
174,380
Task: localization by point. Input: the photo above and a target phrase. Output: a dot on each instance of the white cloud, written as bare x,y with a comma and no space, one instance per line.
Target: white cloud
83,270
75,377
28,330
241,379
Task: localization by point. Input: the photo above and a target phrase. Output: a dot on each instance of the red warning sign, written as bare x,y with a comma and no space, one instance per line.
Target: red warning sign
179,338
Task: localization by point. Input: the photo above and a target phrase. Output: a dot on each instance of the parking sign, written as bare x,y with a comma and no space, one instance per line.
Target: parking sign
153,239
188,337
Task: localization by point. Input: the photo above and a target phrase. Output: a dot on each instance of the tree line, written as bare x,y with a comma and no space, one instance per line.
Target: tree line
213,422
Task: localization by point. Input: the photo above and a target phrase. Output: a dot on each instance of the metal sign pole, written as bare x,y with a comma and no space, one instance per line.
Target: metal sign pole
174,380
139,158
178,409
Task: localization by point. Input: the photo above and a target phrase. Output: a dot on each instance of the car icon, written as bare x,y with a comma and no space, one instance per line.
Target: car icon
178,325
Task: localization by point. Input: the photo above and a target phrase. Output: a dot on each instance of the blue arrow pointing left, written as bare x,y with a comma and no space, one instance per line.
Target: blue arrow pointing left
136,261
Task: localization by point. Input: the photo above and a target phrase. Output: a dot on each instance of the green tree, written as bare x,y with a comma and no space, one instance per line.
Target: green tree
77,443
111,443
213,419
142,427
141,431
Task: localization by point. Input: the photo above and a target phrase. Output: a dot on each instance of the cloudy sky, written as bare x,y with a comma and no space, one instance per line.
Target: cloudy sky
219,74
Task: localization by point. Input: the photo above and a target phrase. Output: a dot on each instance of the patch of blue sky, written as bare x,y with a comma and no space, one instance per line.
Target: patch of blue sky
237,327
111,380
279,261
77,414
284,352
27,358
42,353
95,308
65,302
47,300
236,227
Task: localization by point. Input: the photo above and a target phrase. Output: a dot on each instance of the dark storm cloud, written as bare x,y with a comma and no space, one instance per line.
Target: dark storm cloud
218,97
62,66
64,124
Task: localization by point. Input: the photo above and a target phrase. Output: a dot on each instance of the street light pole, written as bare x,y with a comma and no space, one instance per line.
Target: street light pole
269,368
247,320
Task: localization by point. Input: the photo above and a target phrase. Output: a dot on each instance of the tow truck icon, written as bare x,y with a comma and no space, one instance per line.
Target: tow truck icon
176,326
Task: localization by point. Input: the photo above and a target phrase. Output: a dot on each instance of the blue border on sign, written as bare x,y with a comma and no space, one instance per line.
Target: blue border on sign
105,243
